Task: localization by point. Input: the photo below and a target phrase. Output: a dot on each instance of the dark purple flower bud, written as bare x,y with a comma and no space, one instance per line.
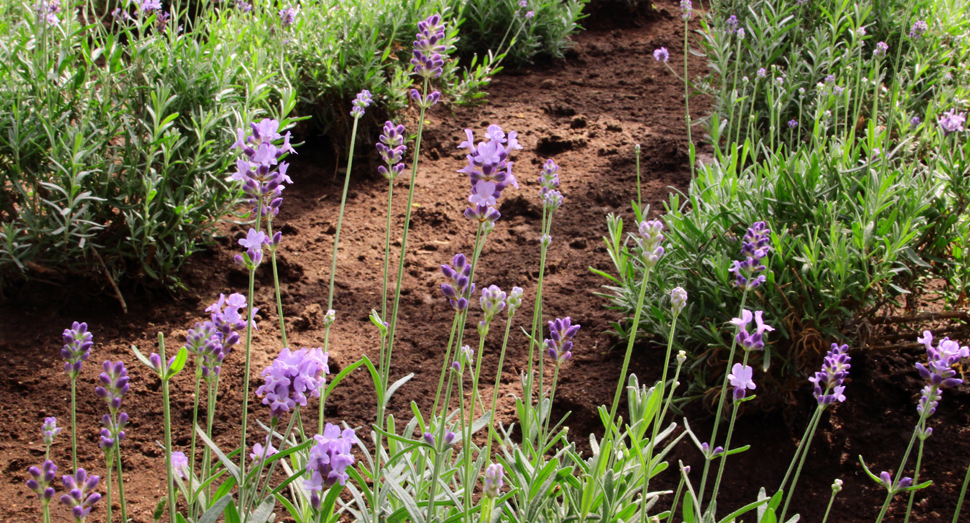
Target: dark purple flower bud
449,438
559,344
40,480
914,122
360,103
792,124
732,24
458,290
80,498
918,29
428,438
77,348
741,380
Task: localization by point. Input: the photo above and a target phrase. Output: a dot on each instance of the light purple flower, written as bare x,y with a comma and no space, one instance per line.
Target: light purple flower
918,29
361,102
835,369
329,458
291,378
253,243
938,372
49,430
489,169
887,481
428,48
425,101
258,449
755,340
113,386
391,147
460,288
147,6
740,378
40,480
678,300
650,239
77,348
792,124
755,247
732,24
741,34
880,50
515,299
492,301
180,464
288,16
686,9
559,345
80,497
493,480
49,9
914,122
261,172
952,122
661,55
529,15
762,73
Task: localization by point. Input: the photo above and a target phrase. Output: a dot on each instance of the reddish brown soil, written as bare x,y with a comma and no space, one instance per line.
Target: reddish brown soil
587,114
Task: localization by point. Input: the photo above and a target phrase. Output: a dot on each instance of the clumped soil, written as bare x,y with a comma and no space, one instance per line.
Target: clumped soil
586,113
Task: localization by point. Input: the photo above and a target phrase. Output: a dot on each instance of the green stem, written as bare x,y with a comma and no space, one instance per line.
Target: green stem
213,392
245,392
634,327
801,462
272,468
801,445
340,217
387,261
919,462
727,443
690,142
444,365
552,396
659,416
404,237
195,420
169,482
720,403
639,199
498,382
276,284
899,471
466,434
963,494
673,507
108,459
829,508
74,421
121,489
536,321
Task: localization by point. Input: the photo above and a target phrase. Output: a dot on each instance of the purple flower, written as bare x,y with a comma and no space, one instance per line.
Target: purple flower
830,78
253,243
40,480
214,339
292,376
156,363
548,178
489,169
861,31
288,16
762,73
835,369
460,287
792,124
180,464
914,122
706,450
425,101
80,497
244,7
559,345
740,378
938,372
530,15
650,240
492,301
113,385
428,48
493,480
523,3
360,103
751,341
678,300
887,480
754,248
147,6
49,430
259,449
661,55
392,148
686,9
329,458
880,50
261,173
48,9
741,34
952,122
514,300
732,24
77,348
918,29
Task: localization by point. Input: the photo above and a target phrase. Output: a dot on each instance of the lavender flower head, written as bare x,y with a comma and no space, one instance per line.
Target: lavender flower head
244,7
493,480
732,24
460,288
762,73
228,320
203,341
466,356
880,50
147,6
80,497
392,148
828,381
113,385
293,376
914,122
938,372
363,100
548,186
686,9
158,366
887,481
952,122
259,450
740,378
529,15
754,248
49,9
77,348
288,16
49,430
253,243
523,3
428,48
741,34
661,55
918,29
792,124
559,345
755,340
678,300
180,464
329,458
492,301
489,170
40,480
650,240
260,171
514,300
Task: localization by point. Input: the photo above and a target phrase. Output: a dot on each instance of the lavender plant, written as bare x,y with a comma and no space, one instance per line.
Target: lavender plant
77,349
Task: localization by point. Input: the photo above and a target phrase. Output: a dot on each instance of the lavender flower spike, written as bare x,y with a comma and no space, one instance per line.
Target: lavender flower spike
489,170
180,463
938,372
650,241
559,345
80,497
460,287
391,147
363,100
515,299
828,381
40,480
880,50
918,29
77,348
661,55
493,480
740,378
288,16
686,9
678,300
113,385
492,301
755,340
754,248
329,458
952,122
49,430
291,378
428,48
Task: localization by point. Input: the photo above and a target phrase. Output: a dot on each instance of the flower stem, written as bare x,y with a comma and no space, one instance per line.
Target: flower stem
108,459
899,471
829,508
195,421
387,261
121,488
498,381
659,416
249,344
536,321
169,482
276,284
552,396
727,442
686,100
806,444
919,461
74,422
963,494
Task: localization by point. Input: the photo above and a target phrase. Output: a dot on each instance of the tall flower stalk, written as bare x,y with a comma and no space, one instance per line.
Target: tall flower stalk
77,349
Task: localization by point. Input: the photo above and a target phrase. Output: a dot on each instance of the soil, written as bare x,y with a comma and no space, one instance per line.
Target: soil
587,113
